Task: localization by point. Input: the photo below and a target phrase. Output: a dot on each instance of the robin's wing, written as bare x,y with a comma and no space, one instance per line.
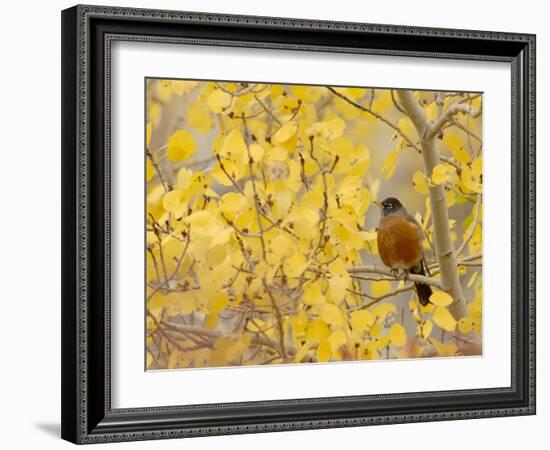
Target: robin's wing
421,237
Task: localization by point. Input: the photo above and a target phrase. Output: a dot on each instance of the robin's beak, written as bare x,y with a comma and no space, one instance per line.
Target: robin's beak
378,204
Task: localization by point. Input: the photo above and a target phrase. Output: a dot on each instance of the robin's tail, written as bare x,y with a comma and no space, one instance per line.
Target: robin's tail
424,291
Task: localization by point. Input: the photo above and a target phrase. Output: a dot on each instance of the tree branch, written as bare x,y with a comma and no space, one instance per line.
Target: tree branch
447,116
381,271
440,214
376,299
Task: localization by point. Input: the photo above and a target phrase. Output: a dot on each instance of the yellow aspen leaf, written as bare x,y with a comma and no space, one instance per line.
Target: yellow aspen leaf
427,309
388,167
443,318
397,334
431,111
173,200
299,322
462,156
149,360
196,185
229,168
216,255
198,116
220,101
456,146
234,146
361,320
312,295
442,173
419,182
276,91
217,302
295,265
382,100
283,201
477,167
175,303
180,87
406,126
286,131
441,298
183,177
468,183
444,349
181,145
149,170
257,152
329,130
282,246
425,329
302,352
337,340
337,286
375,329
211,321
222,237
331,314
379,288
232,203
202,221
465,325
381,311
316,331
324,352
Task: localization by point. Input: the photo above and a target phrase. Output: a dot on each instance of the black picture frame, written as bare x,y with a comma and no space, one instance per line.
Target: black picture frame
87,415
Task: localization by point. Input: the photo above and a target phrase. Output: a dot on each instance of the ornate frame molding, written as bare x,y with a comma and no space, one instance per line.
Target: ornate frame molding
88,32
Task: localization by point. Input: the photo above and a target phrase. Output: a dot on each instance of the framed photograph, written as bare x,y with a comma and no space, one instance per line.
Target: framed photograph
281,224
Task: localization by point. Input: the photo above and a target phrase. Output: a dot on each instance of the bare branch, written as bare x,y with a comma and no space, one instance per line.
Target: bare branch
386,272
447,116
375,114
376,299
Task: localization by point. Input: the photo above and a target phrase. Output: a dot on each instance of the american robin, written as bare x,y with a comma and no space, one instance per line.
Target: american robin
400,243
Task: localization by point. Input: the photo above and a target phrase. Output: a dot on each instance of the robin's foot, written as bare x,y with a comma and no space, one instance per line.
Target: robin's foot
405,275
395,273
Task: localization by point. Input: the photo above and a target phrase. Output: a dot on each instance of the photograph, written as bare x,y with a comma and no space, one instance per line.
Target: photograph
293,224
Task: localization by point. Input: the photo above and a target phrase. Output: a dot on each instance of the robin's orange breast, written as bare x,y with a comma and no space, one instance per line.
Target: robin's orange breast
399,242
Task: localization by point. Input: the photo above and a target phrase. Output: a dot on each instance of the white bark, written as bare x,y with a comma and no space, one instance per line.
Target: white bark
440,215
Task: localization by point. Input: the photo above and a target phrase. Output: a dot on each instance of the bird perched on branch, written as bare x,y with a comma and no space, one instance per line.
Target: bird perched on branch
400,243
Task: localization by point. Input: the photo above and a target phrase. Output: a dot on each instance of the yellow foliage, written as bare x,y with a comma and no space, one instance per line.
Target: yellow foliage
443,318
441,298
220,101
258,203
379,288
317,331
181,145
398,335
361,320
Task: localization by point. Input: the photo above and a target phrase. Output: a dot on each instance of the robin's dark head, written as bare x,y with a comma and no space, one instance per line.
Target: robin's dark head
390,205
